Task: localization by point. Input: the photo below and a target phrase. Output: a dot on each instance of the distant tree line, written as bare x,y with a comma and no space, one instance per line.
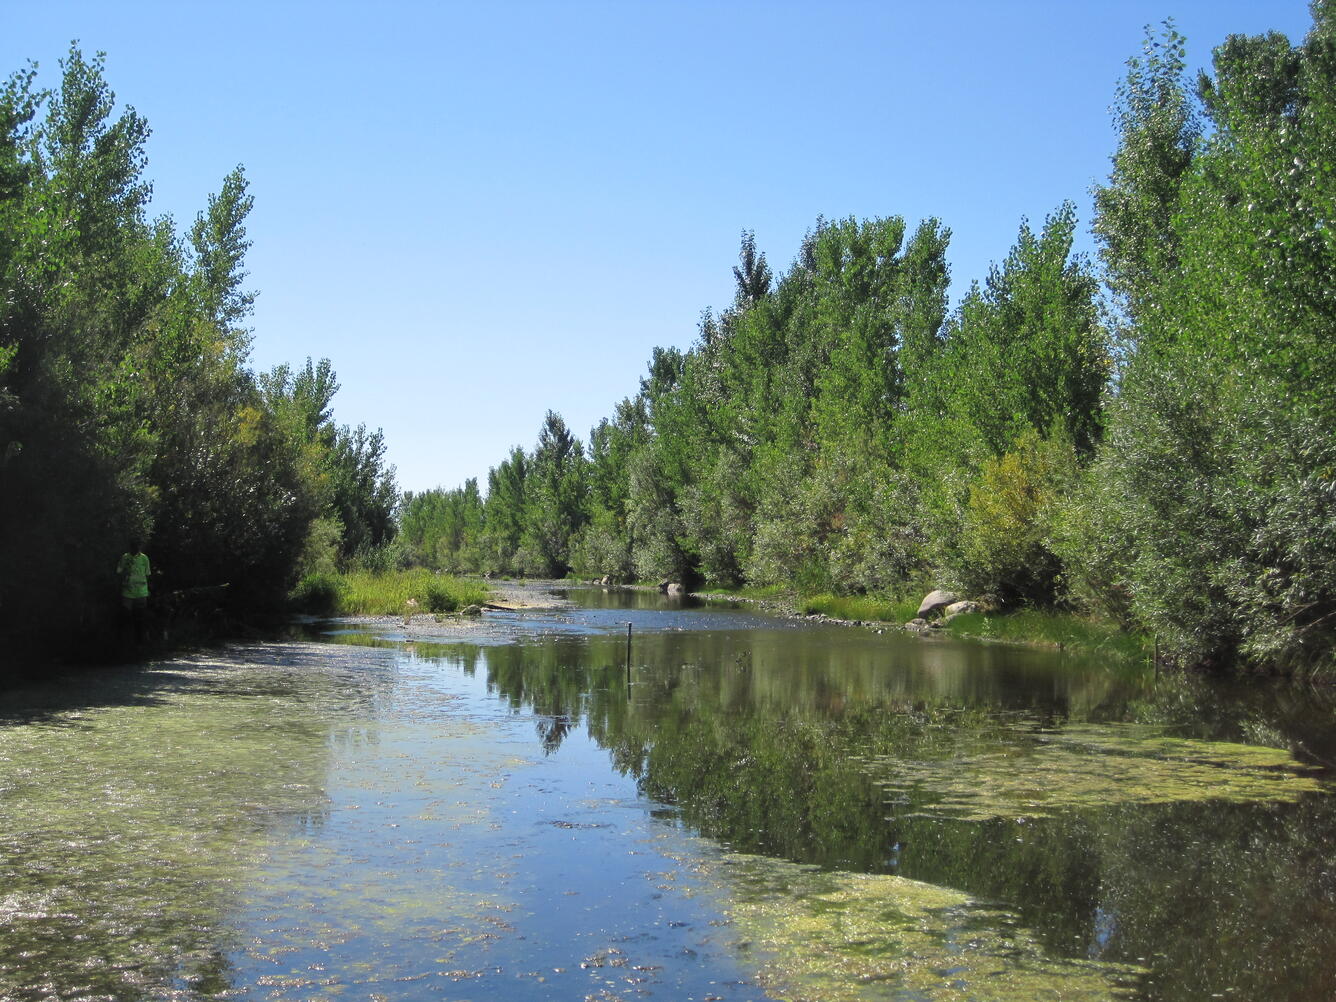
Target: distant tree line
126,407
1149,436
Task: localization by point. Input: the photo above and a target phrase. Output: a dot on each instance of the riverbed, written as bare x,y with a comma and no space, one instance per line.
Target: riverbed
718,805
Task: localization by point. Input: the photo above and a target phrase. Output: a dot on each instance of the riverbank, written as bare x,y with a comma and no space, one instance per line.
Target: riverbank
389,593
1025,627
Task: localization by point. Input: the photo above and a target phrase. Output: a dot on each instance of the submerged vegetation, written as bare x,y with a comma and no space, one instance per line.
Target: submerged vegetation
843,937
1158,457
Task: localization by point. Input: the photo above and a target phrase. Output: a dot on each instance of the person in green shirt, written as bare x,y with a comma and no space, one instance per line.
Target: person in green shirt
133,570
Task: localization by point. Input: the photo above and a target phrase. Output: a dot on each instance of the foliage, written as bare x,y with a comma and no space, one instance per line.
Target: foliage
319,594
1004,545
387,593
126,408
440,598
1160,457
1219,460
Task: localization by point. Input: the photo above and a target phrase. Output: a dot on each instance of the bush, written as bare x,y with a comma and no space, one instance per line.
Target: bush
319,594
440,598
1095,545
1003,547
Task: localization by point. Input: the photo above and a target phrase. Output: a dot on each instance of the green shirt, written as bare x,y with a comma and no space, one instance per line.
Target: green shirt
133,570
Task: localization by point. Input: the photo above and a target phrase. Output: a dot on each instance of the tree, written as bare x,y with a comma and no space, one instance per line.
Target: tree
504,512
364,494
1158,132
126,408
1220,452
752,273
554,509
219,241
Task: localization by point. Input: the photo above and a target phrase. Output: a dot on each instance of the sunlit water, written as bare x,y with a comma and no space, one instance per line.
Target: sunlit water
758,808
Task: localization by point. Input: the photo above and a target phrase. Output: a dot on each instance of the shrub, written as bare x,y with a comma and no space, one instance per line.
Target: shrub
440,598
1003,546
319,594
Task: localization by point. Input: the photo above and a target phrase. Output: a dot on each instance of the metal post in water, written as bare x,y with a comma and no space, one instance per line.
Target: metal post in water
628,658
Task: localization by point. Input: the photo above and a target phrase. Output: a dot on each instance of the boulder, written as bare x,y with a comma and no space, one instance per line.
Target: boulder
957,608
936,600
675,589
917,626
471,610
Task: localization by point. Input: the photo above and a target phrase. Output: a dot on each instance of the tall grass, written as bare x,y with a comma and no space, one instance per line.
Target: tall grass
860,607
1057,629
386,593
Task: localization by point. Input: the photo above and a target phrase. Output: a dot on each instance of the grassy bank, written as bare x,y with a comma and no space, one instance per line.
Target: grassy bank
1026,626
865,608
363,593
1051,629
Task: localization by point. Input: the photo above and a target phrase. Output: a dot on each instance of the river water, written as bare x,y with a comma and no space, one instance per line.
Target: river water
756,808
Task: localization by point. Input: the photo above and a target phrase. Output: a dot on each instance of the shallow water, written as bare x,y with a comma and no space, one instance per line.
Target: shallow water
758,808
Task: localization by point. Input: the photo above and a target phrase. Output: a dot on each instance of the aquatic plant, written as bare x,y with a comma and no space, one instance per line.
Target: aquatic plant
1090,766
835,936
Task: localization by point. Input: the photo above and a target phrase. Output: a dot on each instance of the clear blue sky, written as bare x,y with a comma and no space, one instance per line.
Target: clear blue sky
482,211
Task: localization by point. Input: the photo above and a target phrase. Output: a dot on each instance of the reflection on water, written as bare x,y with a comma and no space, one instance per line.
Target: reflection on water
752,806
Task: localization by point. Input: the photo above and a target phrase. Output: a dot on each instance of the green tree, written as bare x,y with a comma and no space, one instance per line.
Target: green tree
554,495
1220,452
504,513
1158,132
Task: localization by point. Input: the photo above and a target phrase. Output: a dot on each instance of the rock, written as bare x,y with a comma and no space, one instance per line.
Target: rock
935,600
675,588
918,625
958,608
471,610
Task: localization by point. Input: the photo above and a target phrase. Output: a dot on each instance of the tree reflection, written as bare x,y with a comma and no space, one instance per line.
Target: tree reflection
778,760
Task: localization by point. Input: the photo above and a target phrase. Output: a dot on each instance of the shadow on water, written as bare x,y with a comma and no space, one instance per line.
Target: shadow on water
131,802
56,700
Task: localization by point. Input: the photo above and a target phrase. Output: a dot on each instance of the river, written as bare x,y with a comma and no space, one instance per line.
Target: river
752,808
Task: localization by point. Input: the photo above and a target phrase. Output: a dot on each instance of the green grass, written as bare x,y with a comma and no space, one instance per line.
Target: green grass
1027,626
1065,630
1054,629
860,607
366,593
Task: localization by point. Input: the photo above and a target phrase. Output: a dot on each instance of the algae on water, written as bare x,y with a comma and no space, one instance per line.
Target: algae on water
1082,766
829,936
138,814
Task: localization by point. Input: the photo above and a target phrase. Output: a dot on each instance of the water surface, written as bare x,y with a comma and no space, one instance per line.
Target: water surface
758,808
